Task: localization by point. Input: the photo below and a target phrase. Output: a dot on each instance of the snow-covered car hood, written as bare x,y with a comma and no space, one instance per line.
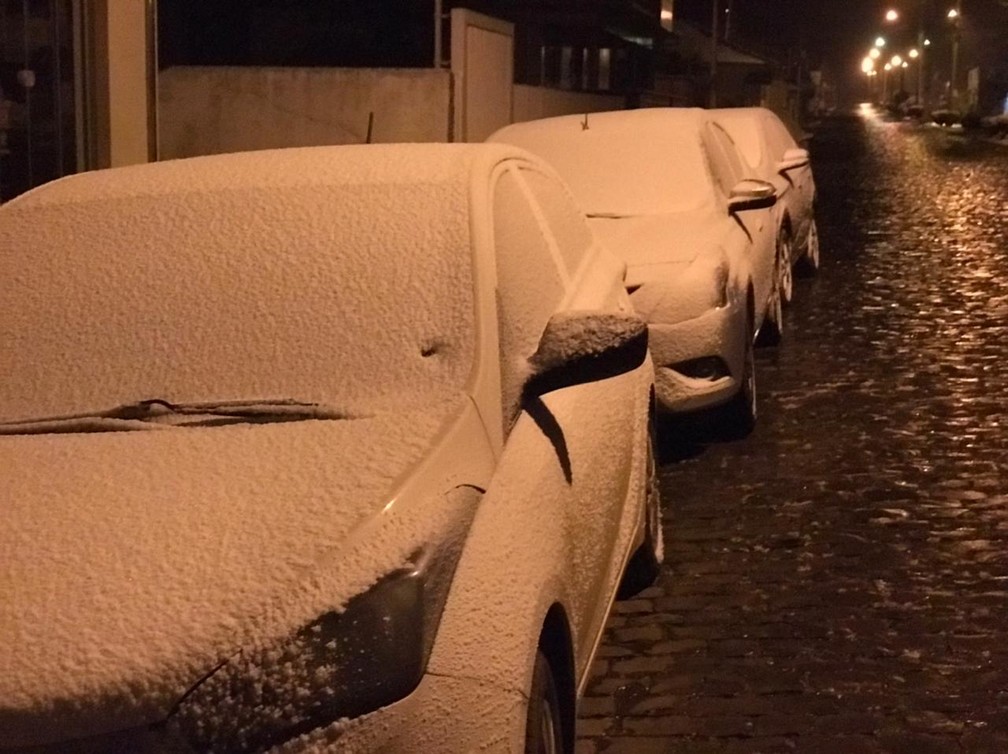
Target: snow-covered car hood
650,240
136,562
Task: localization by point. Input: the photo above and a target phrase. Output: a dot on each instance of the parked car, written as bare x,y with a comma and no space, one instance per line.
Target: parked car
339,446
665,188
771,152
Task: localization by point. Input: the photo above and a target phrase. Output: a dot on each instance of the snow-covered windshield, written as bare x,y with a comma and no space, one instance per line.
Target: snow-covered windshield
357,297
622,166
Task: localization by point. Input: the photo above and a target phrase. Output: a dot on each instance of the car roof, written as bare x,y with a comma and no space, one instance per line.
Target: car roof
372,164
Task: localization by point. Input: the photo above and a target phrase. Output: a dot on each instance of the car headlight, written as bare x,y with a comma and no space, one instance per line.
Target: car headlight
341,665
675,292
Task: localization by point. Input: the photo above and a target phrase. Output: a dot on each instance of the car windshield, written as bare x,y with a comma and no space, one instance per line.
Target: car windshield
356,298
636,167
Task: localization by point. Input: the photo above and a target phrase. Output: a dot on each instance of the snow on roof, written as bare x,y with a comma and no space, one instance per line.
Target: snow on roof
339,275
632,162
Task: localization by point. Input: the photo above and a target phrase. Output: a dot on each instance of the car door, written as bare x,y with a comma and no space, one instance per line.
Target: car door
571,448
726,166
800,196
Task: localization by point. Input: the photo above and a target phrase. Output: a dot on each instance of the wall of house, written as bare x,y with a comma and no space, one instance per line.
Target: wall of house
532,102
209,110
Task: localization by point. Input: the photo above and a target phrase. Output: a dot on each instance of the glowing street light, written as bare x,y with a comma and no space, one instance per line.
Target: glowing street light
888,67
880,42
913,53
896,61
904,64
953,14
891,15
927,42
867,65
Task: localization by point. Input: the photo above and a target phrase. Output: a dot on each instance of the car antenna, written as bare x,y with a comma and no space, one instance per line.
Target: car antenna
584,123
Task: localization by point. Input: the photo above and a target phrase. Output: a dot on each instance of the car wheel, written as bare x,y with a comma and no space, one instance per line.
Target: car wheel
740,413
645,564
809,263
543,722
785,260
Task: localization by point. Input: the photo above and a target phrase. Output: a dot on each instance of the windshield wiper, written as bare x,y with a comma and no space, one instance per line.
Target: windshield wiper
157,413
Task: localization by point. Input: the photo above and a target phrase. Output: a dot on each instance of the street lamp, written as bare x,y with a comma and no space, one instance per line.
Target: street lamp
896,61
913,53
874,53
891,15
880,41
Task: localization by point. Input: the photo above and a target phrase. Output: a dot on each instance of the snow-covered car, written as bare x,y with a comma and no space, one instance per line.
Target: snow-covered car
770,150
330,448
665,188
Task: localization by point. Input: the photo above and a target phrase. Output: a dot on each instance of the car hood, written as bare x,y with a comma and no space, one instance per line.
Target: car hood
136,562
661,239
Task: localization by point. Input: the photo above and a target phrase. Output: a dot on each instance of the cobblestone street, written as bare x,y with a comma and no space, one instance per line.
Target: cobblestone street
838,581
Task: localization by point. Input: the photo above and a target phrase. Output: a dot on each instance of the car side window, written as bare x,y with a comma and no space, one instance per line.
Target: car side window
724,160
562,216
780,138
530,285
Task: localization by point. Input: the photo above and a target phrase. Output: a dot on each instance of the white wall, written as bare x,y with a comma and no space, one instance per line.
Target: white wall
532,102
209,110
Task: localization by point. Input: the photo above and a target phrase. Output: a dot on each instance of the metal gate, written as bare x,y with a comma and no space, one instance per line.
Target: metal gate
38,116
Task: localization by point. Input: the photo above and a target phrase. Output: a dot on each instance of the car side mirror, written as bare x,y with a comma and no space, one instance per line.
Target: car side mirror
792,160
578,347
751,193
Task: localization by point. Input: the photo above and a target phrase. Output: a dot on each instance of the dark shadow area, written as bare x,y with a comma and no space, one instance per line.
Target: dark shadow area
545,420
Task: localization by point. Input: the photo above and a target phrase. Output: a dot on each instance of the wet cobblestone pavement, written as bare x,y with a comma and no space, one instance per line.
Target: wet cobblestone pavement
838,581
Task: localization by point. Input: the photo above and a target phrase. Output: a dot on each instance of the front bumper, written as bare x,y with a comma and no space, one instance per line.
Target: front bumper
443,714
719,333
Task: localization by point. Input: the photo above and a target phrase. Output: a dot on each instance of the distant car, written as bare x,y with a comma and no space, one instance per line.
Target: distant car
665,188
772,153
338,447
946,117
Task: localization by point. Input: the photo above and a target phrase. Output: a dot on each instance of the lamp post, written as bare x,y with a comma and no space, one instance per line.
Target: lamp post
917,54
955,16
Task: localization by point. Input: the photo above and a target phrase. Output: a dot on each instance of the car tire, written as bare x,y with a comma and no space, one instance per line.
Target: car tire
808,265
739,417
785,260
543,720
645,564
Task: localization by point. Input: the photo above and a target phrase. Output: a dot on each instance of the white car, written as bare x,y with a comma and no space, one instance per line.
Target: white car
335,448
771,153
665,188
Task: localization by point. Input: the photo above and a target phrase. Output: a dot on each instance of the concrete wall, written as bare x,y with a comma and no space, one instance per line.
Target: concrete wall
533,102
209,110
